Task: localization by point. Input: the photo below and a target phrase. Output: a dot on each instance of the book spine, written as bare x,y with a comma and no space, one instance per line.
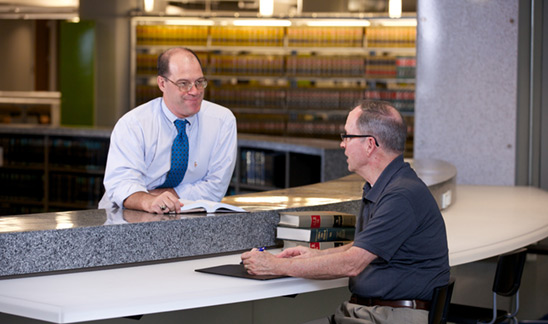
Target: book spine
317,221
331,234
344,221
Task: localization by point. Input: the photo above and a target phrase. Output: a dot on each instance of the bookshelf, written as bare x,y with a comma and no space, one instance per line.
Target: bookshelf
51,169
44,169
294,80
278,162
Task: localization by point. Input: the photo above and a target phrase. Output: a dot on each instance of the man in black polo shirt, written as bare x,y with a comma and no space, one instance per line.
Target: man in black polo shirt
399,253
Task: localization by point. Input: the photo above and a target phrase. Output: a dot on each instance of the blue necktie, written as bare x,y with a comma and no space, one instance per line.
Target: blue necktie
179,156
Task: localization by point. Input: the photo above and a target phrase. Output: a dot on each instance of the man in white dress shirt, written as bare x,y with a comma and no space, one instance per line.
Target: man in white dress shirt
139,156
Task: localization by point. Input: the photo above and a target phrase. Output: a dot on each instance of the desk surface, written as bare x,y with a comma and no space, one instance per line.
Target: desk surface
485,221
490,220
102,294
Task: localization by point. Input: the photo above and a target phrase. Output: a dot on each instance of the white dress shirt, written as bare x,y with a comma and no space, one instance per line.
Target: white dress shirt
139,156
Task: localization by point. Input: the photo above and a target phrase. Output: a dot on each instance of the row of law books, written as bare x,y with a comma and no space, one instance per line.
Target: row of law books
316,128
147,63
315,229
78,153
21,185
297,36
22,150
262,168
246,36
381,66
75,188
391,36
260,125
171,35
302,98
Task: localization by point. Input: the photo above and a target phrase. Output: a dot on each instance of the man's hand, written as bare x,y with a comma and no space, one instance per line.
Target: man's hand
260,262
298,252
158,201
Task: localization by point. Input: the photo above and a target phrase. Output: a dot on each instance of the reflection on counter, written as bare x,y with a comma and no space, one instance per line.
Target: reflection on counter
125,216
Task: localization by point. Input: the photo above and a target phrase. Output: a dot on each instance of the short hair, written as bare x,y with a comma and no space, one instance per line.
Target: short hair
163,59
382,120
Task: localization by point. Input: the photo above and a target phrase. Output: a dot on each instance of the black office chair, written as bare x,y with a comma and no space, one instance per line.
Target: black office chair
538,249
506,283
440,303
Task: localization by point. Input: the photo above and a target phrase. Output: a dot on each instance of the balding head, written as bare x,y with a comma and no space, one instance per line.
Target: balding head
385,122
163,59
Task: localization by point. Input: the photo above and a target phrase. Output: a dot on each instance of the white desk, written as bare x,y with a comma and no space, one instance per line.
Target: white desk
484,222
92,295
487,221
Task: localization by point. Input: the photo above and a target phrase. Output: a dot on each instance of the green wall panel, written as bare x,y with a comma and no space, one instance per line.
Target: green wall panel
77,73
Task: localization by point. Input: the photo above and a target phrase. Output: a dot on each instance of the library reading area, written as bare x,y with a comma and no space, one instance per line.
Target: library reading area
290,71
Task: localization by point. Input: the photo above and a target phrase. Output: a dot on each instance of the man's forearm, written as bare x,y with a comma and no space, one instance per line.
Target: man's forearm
137,200
345,262
159,191
338,249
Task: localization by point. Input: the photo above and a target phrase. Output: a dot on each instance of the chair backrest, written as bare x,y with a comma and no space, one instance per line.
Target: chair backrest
440,303
508,274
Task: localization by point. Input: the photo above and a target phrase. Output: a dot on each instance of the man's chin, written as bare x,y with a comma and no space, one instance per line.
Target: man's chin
194,107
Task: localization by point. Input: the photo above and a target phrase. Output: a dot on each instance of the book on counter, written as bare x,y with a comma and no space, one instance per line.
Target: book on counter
316,219
314,245
321,234
207,206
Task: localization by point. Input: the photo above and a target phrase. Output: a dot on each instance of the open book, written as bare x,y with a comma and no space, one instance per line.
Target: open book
197,206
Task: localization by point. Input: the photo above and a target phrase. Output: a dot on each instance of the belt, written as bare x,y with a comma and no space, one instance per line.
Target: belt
409,303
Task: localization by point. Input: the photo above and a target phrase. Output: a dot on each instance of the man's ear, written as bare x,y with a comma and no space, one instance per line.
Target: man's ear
161,83
369,145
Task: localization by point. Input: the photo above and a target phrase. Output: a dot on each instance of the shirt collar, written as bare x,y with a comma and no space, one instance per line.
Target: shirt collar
172,118
372,193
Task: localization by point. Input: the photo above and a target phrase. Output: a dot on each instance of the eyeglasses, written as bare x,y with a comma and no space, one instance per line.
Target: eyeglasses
345,136
186,86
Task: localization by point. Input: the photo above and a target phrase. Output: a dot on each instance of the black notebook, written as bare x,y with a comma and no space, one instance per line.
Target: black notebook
236,270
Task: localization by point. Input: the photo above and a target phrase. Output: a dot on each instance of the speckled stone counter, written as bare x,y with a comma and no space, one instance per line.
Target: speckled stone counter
51,242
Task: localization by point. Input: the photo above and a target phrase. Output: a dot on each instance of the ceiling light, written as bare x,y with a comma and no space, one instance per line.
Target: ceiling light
338,22
266,7
402,22
192,22
394,8
262,22
149,5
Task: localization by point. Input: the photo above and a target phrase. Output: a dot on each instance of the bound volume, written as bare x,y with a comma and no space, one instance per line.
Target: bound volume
321,234
316,219
316,229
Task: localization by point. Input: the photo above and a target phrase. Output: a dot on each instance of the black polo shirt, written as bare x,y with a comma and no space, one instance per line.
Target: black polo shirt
401,223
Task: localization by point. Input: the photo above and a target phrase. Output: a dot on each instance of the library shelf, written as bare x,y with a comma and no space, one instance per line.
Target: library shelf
51,168
306,74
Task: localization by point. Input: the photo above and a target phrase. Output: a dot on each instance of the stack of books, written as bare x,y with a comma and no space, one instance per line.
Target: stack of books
316,229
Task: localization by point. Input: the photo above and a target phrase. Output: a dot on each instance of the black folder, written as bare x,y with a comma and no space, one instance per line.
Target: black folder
236,270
